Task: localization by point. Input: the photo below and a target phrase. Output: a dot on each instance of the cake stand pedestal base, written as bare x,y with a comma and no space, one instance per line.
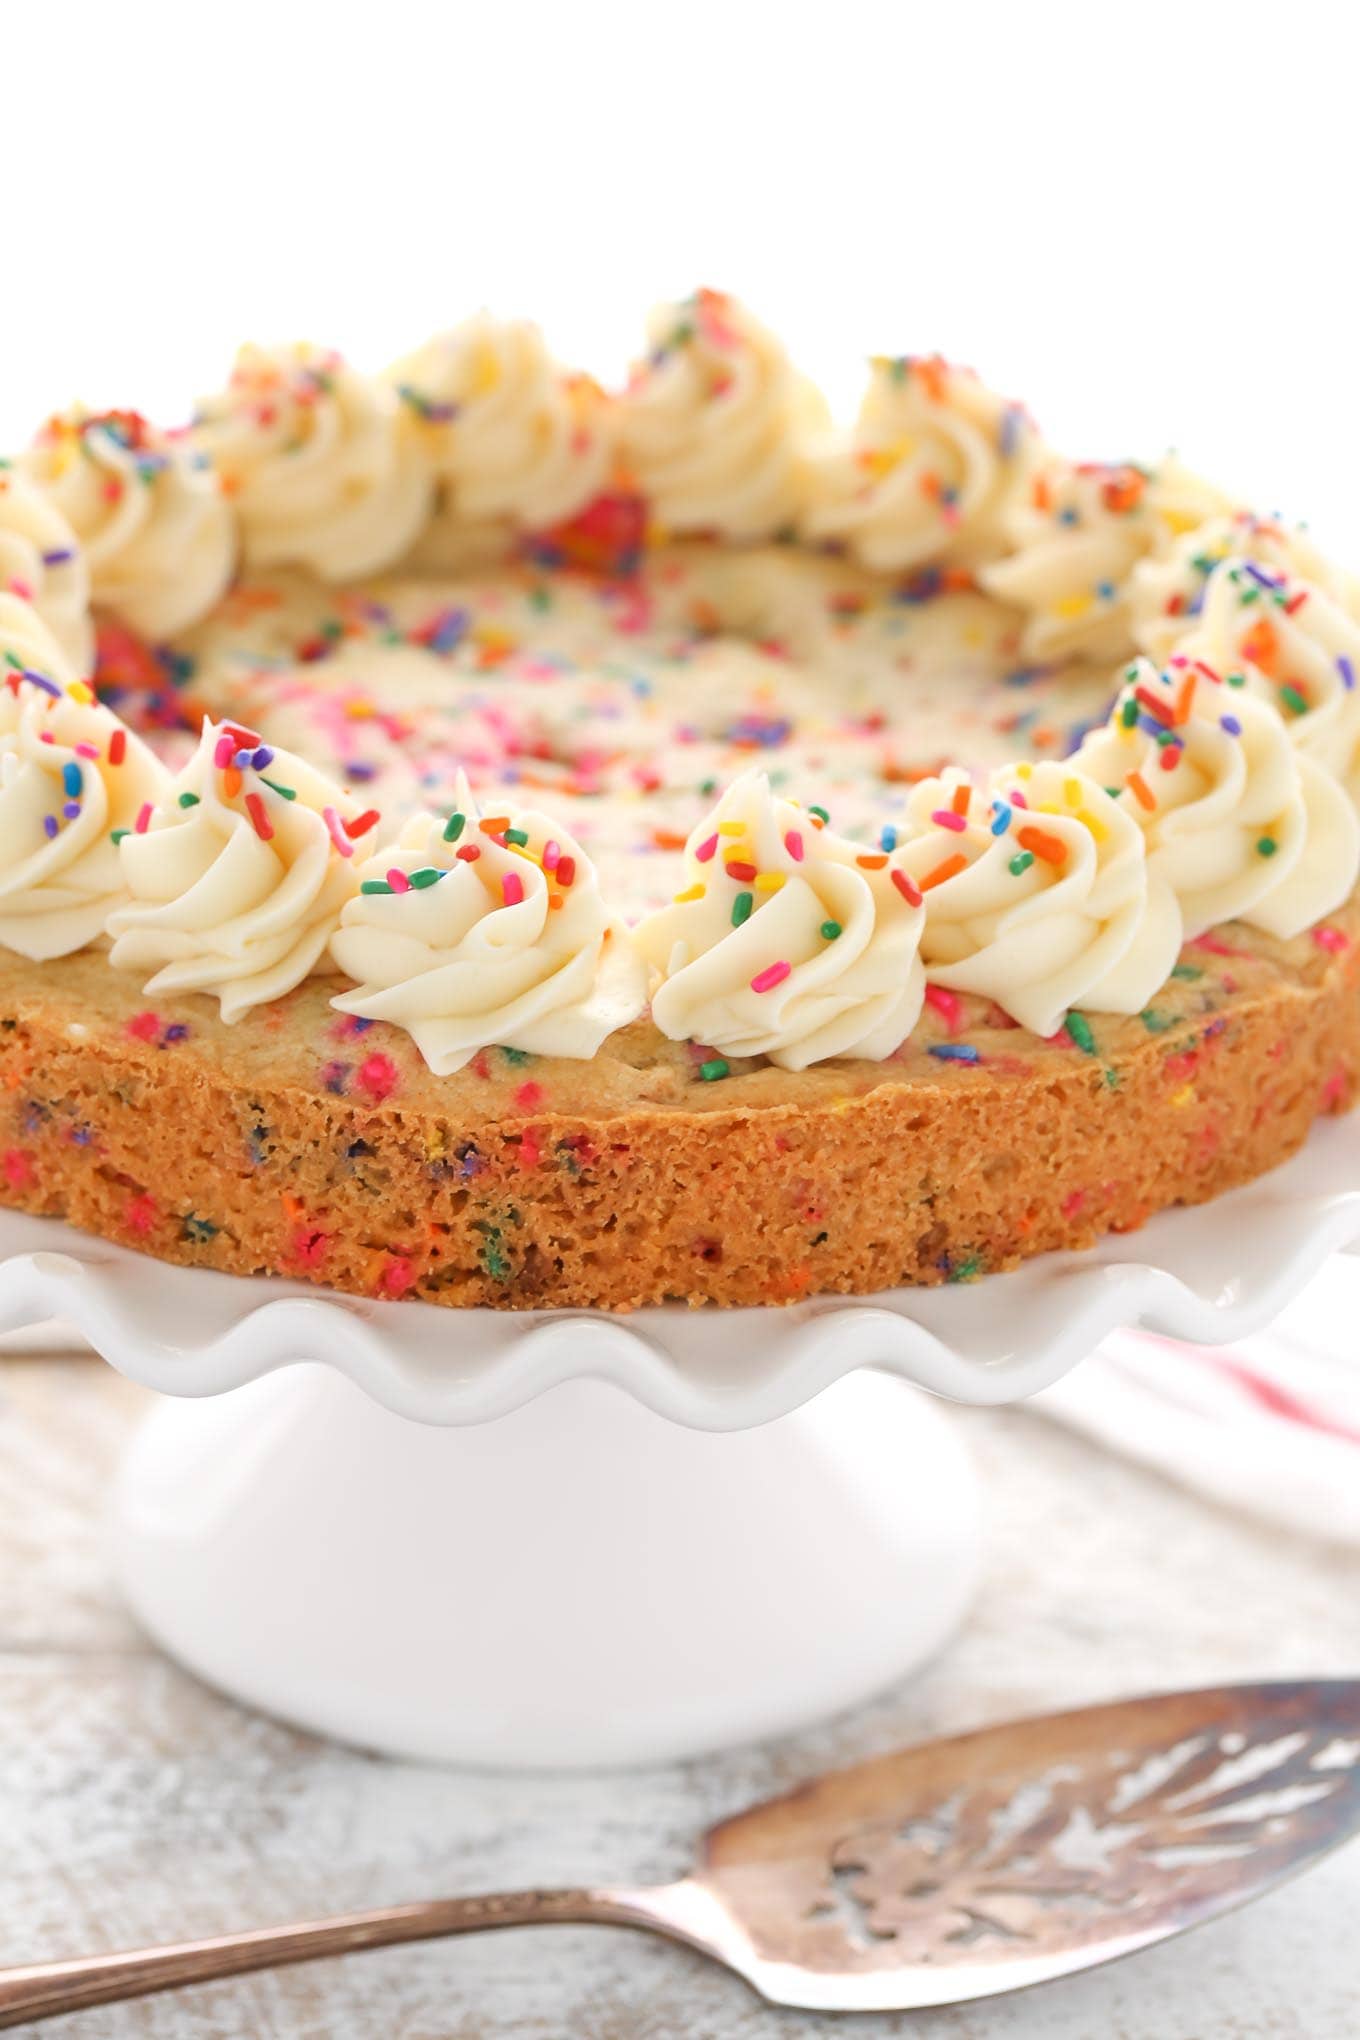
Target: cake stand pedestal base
581,1582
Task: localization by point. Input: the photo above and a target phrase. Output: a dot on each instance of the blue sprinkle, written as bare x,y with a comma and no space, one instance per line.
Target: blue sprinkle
1003,818
1106,590
71,778
1347,672
954,1051
1231,725
887,837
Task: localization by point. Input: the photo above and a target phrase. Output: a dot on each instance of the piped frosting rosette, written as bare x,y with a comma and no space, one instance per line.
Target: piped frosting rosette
1239,824
41,562
158,538
787,940
930,472
716,422
481,930
1038,894
69,774
1294,644
513,437
237,873
1167,591
325,468
1074,541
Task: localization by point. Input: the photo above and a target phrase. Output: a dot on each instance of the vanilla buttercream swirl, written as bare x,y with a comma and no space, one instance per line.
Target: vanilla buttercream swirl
1038,894
158,538
477,931
238,874
325,468
512,435
1075,539
1167,591
1239,824
41,562
929,473
787,940
70,773
1294,644
717,424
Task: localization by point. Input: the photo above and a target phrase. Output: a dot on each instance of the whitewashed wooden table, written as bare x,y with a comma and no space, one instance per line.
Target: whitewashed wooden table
135,1805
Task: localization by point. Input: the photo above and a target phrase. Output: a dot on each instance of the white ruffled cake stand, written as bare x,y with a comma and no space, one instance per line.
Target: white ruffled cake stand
575,1539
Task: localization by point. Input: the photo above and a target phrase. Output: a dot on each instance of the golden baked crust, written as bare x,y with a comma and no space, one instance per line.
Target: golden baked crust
303,1143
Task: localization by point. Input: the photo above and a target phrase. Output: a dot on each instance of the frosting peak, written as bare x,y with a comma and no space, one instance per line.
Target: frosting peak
787,940
157,536
716,422
325,468
478,931
41,562
238,873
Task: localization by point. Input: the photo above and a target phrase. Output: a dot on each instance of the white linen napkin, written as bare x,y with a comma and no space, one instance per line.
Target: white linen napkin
1270,1425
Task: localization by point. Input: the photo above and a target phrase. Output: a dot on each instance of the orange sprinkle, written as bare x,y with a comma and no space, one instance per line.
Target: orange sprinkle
1260,645
868,863
494,825
231,782
1051,848
963,793
1138,787
950,868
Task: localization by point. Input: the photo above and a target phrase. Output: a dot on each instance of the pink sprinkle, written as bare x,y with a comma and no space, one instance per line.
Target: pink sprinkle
398,1276
948,1005
87,750
773,974
224,751
706,849
793,843
143,822
378,1076
1331,939
398,880
338,836
529,1097
18,1169
945,818
551,855
512,888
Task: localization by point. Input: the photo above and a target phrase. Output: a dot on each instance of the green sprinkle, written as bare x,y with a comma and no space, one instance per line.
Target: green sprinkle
454,827
1155,1022
1021,863
517,1057
829,930
1292,699
1079,1033
520,836
820,812
711,1072
117,835
375,885
741,908
1128,714
188,800
1266,846
1188,971
288,792
1236,679
428,874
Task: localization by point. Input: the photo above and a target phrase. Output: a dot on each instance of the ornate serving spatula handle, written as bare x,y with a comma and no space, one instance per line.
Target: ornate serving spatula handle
43,1989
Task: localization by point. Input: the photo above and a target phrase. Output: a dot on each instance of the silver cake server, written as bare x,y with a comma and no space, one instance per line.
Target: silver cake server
955,1870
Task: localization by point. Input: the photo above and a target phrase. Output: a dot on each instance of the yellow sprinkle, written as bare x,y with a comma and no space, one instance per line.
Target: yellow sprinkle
731,828
691,892
359,711
1024,770
1093,822
1072,605
1072,790
769,881
78,691
1183,1096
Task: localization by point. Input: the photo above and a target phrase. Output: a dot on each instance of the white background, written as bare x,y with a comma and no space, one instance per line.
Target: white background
1140,219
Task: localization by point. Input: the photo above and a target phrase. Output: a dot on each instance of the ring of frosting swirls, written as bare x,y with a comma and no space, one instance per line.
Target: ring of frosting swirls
1167,590
716,422
513,436
1237,822
787,941
1297,646
41,562
69,773
237,873
1038,894
324,467
1075,539
158,538
928,475
476,931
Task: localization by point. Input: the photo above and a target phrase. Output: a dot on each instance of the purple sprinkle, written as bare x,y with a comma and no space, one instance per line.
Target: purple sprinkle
60,557
242,759
1261,578
41,680
1231,725
355,769
71,810
178,1032
1346,670
51,824
264,756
